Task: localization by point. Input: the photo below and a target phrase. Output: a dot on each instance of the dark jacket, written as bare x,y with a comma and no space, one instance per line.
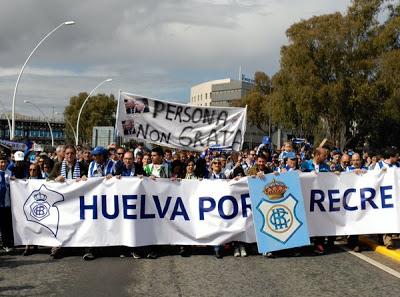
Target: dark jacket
121,170
57,170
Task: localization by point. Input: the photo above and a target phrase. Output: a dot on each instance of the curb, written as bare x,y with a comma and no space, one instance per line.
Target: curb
393,254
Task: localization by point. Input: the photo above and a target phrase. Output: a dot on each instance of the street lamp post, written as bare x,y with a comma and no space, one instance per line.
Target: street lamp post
51,130
84,102
69,123
12,132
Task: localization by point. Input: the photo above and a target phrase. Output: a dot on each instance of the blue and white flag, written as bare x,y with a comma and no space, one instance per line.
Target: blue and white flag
278,212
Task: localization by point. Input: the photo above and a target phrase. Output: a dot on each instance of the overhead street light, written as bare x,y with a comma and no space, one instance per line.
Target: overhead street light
83,104
12,132
51,130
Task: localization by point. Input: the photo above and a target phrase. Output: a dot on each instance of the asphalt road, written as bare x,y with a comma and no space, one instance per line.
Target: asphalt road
335,274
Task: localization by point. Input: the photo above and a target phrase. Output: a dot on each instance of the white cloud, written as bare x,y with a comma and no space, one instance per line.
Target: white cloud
156,48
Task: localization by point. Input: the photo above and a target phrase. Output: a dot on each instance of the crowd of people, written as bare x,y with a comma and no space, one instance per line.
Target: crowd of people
81,163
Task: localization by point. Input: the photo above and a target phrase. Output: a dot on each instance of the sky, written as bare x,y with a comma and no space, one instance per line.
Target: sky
155,48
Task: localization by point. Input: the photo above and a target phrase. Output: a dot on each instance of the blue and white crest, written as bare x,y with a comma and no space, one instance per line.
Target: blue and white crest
40,208
279,218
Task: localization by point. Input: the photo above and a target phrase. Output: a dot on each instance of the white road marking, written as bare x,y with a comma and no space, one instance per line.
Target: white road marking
373,262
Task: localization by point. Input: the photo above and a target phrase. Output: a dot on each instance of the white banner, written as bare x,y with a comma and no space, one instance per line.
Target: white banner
348,203
131,212
137,212
180,125
15,146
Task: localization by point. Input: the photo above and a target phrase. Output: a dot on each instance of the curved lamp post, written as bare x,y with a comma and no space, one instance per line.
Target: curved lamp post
51,130
83,104
69,123
12,132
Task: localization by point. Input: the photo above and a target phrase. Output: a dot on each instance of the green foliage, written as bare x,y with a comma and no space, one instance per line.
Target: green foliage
338,76
99,110
259,102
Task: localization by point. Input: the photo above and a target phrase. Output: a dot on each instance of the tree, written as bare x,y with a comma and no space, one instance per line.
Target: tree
259,104
327,82
98,111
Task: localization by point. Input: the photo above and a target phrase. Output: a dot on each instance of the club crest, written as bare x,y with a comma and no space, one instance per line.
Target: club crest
278,212
40,208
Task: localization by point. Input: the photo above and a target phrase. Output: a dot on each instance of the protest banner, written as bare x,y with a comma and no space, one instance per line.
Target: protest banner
15,146
180,125
350,203
131,212
136,212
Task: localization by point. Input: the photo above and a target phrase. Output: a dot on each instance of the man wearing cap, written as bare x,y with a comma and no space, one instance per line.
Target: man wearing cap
101,166
290,162
19,167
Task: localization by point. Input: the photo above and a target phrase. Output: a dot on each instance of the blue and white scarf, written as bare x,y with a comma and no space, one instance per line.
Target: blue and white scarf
97,170
75,174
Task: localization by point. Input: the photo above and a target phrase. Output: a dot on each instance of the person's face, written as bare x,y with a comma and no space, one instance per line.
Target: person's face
86,155
3,164
321,157
223,162
120,153
183,158
127,125
216,166
336,158
61,154
128,160
70,155
345,160
291,163
33,171
156,158
146,160
139,159
46,168
168,155
99,159
190,167
356,161
40,162
251,156
261,162
288,148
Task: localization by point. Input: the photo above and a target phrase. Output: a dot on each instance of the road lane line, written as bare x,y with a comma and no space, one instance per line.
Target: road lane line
373,262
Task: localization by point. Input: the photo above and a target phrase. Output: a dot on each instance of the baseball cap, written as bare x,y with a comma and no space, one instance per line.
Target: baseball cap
291,155
19,156
99,150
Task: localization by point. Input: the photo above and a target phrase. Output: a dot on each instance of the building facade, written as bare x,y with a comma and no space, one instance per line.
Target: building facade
221,92
226,92
34,129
